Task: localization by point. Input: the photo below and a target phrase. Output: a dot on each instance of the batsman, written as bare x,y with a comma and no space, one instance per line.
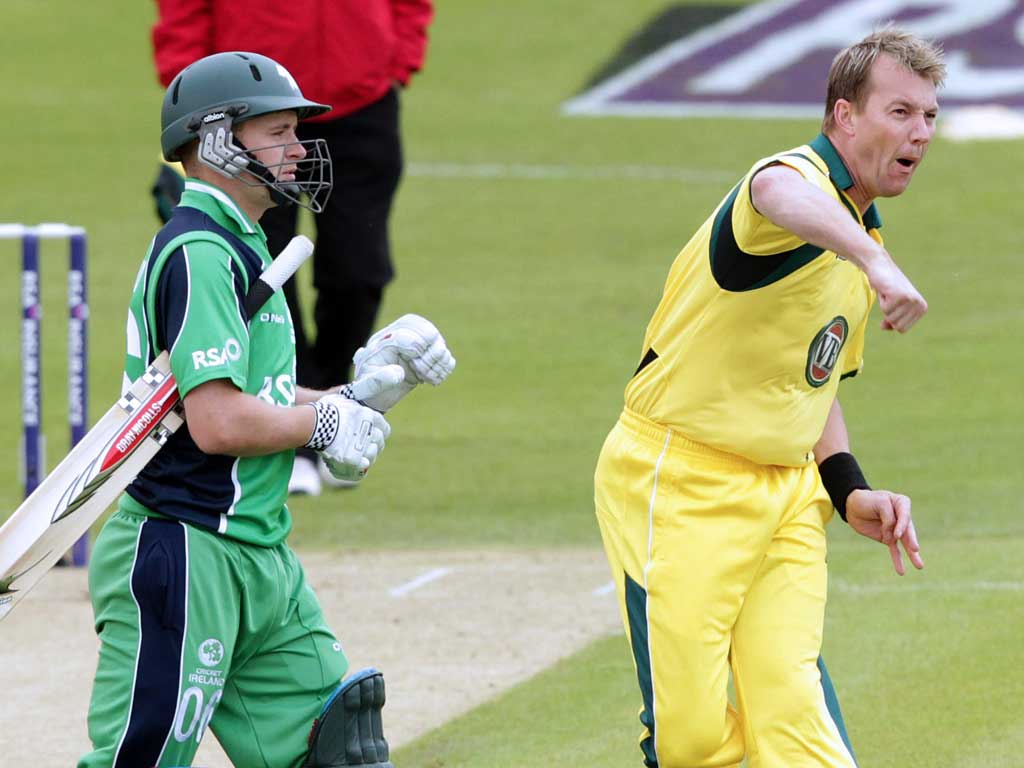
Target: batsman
204,616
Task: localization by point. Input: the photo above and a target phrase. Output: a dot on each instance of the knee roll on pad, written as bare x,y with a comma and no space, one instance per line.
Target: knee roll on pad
349,731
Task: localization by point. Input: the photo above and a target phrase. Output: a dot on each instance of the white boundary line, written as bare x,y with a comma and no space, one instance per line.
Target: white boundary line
501,171
424,578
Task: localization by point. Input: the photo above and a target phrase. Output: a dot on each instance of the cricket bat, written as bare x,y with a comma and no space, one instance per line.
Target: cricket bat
105,462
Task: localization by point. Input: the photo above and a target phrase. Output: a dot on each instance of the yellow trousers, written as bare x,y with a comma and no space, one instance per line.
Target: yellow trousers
718,563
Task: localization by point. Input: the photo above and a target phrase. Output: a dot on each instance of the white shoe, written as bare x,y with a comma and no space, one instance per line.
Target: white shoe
330,480
305,479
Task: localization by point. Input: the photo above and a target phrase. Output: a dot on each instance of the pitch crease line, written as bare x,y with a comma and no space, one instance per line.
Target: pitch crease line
419,581
605,589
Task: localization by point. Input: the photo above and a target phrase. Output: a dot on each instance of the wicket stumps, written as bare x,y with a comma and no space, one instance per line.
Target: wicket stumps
33,441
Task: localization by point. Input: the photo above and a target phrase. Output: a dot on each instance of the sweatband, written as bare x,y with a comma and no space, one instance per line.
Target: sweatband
841,475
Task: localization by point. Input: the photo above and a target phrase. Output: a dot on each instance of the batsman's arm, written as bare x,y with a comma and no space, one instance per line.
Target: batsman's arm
224,420
368,387
305,395
228,421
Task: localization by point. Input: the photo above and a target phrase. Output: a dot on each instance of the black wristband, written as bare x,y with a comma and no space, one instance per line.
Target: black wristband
841,475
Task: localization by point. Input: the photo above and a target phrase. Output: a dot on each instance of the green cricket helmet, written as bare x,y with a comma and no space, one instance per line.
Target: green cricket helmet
213,94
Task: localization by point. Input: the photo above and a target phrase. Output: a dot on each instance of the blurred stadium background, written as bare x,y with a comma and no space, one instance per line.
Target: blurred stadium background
538,243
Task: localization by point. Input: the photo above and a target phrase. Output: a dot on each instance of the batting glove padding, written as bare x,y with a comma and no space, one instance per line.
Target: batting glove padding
349,435
383,384
414,343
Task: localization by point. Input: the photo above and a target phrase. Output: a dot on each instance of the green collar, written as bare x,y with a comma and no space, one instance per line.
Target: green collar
841,177
219,206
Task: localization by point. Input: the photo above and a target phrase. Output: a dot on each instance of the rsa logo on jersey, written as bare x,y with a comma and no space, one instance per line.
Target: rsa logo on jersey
824,351
771,59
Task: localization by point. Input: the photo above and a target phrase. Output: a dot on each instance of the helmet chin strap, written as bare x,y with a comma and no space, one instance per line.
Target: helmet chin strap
258,169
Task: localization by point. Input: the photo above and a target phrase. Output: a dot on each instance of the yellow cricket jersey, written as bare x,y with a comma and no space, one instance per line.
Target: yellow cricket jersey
753,324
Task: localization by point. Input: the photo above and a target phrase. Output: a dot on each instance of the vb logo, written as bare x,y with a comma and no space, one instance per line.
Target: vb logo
824,351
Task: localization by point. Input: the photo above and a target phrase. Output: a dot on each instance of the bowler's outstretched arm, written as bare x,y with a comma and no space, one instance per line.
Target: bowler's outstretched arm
788,200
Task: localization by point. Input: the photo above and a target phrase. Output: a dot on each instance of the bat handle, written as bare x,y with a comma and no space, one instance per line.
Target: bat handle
273,277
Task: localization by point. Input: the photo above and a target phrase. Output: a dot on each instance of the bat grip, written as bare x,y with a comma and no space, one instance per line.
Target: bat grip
273,277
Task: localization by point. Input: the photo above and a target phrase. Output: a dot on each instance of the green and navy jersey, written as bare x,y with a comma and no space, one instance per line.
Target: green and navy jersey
189,298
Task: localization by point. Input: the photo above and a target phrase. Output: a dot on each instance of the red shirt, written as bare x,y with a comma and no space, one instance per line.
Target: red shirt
345,53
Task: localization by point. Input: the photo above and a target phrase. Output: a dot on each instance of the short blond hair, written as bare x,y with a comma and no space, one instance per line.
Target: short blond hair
851,68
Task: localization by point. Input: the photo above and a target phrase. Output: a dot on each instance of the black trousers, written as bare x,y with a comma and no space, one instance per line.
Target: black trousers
352,260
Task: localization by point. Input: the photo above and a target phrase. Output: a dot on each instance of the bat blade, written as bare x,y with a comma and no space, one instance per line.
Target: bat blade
87,481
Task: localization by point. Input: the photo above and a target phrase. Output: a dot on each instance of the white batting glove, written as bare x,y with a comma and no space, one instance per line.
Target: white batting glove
348,435
414,343
381,387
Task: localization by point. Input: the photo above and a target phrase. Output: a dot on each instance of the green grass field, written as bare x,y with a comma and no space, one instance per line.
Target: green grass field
543,287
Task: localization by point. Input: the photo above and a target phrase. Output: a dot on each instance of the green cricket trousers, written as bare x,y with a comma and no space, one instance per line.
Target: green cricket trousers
198,630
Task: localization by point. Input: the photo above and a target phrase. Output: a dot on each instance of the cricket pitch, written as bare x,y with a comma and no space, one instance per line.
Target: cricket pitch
452,630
